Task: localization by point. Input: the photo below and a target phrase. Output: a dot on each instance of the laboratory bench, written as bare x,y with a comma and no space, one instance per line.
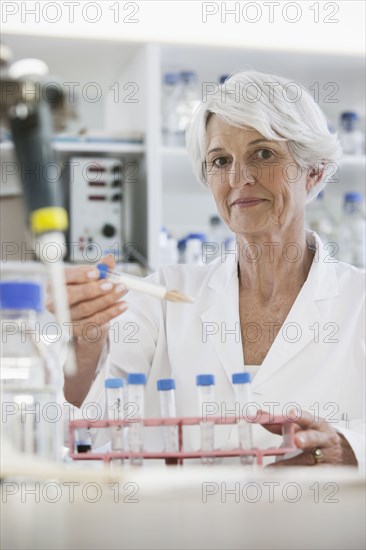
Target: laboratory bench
193,506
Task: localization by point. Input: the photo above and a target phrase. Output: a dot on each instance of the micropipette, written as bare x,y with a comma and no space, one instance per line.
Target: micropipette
140,285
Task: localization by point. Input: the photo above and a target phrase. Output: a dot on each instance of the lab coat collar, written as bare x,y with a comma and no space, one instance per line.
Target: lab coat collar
320,284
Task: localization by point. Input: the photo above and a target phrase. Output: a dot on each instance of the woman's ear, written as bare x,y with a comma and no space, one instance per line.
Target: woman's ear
315,175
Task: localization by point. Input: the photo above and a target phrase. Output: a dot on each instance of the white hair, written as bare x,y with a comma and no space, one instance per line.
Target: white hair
277,108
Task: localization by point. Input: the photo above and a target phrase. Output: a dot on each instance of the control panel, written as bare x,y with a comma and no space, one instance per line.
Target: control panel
95,208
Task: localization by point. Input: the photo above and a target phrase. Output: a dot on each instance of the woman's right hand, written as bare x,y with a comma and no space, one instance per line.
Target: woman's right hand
93,302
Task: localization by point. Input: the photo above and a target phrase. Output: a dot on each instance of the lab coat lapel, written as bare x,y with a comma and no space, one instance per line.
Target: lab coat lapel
220,322
304,323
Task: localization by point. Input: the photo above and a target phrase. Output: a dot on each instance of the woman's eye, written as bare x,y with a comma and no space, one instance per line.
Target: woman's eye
219,162
264,154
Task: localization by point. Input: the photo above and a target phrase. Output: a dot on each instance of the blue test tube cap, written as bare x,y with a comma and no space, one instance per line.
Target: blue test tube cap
103,271
136,378
241,378
205,380
113,383
166,384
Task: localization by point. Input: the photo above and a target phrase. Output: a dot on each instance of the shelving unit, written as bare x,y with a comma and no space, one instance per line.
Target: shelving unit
167,192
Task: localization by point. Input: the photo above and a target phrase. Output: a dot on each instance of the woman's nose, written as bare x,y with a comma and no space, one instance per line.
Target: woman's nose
241,174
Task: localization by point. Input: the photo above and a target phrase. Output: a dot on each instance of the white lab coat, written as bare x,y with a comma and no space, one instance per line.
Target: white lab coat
316,362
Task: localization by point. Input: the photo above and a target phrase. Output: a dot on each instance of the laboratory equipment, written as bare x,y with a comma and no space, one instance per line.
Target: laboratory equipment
319,220
243,396
115,412
352,231
188,100
95,208
168,248
170,98
31,105
166,389
192,248
136,411
83,440
31,415
207,405
140,285
351,137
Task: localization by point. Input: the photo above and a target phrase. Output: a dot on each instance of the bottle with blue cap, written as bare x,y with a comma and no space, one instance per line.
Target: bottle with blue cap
207,407
31,411
166,389
135,410
243,397
115,412
352,231
351,137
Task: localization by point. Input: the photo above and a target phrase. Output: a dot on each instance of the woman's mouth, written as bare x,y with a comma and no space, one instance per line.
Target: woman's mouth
246,203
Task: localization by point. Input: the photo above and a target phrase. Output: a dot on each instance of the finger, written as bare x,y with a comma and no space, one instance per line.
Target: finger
89,291
86,309
303,459
81,274
309,439
83,326
109,261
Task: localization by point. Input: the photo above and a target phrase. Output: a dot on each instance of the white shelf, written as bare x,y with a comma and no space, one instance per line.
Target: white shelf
354,160
99,147
88,147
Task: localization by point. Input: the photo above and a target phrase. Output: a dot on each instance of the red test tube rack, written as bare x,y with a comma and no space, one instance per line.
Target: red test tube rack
287,424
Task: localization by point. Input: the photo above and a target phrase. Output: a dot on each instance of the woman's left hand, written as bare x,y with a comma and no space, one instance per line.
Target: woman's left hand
319,442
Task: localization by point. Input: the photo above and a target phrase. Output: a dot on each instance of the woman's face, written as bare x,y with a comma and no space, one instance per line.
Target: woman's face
258,187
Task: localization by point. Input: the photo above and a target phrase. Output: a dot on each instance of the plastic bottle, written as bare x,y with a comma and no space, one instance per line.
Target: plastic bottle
207,406
352,230
318,219
170,99
136,400
243,396
218,237
114,397
189,99
168,248
31,412
193,253
351,137
166,389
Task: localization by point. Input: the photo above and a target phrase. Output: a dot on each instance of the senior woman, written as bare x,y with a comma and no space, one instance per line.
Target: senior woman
279,305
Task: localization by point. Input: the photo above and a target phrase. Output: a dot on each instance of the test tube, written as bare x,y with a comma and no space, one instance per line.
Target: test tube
114,395
166,389
136,398
243,396
206,387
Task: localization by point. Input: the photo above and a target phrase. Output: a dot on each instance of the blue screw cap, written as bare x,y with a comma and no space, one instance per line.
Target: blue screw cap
103,271
205,380
20,295
113,383
166,384
241,378
135,378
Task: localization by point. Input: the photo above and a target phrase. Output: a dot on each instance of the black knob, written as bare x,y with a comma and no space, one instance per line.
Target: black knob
108,230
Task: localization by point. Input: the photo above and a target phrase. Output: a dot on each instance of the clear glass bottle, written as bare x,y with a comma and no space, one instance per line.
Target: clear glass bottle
31,414
170,100
352,231
351,137
188,101
318,219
